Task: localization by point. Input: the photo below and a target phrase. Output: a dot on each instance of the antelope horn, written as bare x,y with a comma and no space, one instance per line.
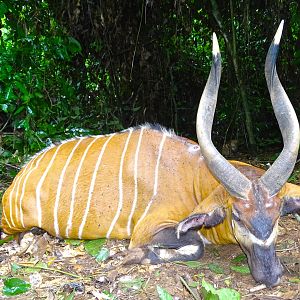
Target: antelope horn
278,174
232,179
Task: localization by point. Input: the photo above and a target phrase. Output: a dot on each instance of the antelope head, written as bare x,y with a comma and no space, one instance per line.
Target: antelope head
255,206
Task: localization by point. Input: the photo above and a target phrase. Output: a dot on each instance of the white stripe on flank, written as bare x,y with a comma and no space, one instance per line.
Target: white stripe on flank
15,184
73,195
39,186
12,224
5,217
155,179
24,185
135,182
59,187
120,204
92,186
18,189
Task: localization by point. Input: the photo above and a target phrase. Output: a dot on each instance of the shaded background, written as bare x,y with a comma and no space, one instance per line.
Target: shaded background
77,67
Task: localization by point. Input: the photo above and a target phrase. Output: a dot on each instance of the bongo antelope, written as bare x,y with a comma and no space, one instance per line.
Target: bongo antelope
165,193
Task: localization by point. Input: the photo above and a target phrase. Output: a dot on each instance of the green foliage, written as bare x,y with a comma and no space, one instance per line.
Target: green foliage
74,243
102,255
7,239
163,294
36,93
193,264
108,295
241,269
210,293
94,247
66,71
135,284
239,264
15,286
215,268
239,258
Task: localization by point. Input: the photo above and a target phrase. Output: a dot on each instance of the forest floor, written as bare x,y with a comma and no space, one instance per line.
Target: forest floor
64,270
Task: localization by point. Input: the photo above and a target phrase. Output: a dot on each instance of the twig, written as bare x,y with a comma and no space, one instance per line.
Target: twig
5,124
257,288
11,166
287,249
30,265
136,42
189,289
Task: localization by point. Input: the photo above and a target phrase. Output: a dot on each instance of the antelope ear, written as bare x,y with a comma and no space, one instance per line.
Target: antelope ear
290,206
196,221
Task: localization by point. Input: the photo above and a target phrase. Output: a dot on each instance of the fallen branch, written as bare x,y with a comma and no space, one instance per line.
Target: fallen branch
31,265
196,297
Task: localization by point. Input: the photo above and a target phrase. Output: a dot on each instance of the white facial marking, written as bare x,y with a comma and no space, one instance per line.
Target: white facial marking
269,204
246,234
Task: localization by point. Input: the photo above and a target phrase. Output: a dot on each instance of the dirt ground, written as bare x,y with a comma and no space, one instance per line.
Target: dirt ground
66,261
56,268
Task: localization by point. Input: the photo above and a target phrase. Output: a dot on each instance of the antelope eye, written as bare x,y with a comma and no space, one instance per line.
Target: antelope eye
235,217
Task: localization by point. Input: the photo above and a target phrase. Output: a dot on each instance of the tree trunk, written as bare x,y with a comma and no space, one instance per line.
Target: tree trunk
231,45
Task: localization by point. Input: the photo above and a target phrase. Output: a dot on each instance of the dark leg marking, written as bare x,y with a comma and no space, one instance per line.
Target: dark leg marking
290,206
166,247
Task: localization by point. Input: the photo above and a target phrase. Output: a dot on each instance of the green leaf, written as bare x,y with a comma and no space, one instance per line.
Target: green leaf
93,247
163,294
134,284
210,293
191,264
34,269
216,268
8,238
109,295
193,284
15,286
37,269
241,269
4,107
70,297
15,267
239,258
20,109
226,293
102,255
74,242
3,9
294,280
74,46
